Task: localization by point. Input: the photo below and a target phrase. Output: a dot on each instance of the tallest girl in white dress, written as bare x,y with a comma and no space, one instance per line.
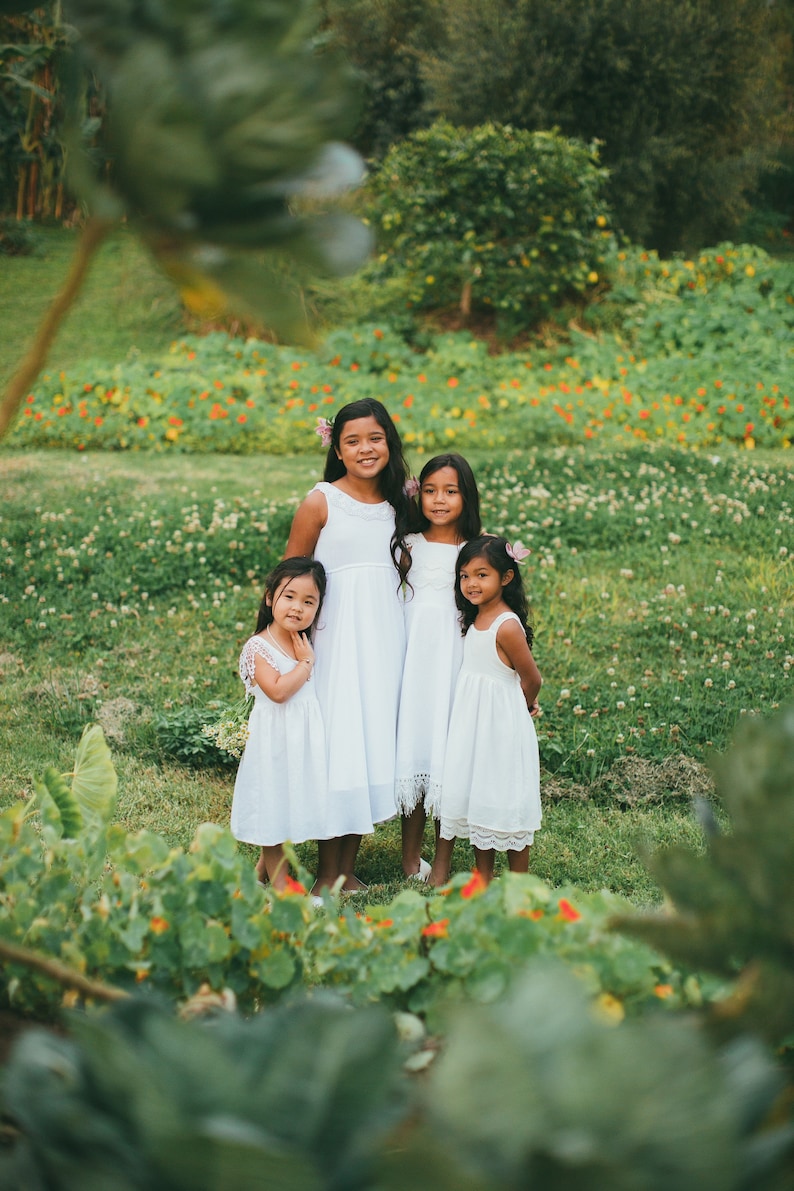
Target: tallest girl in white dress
354,523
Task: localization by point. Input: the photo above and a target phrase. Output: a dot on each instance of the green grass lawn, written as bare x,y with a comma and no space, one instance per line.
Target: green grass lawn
144,630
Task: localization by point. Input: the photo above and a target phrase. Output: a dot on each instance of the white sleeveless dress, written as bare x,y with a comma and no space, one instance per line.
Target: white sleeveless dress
280,789
491,784
359,645
434,652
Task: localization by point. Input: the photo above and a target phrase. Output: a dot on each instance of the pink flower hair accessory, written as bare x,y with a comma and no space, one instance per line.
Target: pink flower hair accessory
325,430
411,487
518,551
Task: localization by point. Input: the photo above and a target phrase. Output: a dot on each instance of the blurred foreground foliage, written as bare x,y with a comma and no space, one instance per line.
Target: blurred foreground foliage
536,1085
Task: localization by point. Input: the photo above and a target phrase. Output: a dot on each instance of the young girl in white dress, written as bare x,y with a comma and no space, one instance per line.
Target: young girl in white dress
355,522
491,786
280,790
447,516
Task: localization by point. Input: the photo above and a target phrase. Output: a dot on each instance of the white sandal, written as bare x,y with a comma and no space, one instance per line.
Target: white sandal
424,872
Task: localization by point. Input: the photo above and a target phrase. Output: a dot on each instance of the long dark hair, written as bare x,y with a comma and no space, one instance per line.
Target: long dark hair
392,479
290,568
494,551
469,525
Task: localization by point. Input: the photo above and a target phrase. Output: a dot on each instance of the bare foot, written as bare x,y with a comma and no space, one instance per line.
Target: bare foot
353,885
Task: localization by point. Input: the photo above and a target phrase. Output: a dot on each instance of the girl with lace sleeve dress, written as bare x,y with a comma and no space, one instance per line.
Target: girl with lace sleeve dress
448,514
491,786
280,792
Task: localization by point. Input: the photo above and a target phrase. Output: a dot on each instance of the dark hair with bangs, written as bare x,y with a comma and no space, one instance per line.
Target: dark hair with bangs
494,551
392,479
291,568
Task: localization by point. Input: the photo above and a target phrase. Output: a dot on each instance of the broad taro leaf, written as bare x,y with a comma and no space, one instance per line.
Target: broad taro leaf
94,782
53,794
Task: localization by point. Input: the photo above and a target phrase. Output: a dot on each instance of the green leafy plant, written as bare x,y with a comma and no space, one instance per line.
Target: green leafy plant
492,218
732,908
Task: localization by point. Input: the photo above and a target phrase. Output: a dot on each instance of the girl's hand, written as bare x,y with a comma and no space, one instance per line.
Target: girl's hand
535,709
302,647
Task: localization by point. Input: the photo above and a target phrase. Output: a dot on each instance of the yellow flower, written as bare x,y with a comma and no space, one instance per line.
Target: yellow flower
610,1009
750,270
592,277
430,279
601,221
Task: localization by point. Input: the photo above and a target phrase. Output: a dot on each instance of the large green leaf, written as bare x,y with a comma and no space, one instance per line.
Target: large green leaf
54,795
94,782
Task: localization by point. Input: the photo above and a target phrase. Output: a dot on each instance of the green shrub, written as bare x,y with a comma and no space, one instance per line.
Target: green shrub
491,218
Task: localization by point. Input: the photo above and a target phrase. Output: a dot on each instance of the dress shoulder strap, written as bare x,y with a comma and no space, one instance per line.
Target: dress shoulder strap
502,619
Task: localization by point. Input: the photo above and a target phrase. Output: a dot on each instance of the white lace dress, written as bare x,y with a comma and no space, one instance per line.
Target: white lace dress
359,644
433,655
491,784
281,788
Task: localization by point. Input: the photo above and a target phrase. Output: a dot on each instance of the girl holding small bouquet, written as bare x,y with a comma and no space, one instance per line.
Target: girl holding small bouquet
491,785
280,790
448,514
354,522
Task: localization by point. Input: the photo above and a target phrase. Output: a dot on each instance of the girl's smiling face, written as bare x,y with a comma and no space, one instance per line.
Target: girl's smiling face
294,604
363,448
480,583
442,503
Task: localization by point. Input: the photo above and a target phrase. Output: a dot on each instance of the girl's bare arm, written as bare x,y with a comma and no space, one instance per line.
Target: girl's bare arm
513,649
307,523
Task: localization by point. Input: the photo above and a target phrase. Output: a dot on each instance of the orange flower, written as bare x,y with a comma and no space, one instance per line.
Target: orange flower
421,378
436,930
292,886
385,922
536,915
158,926
172,421
218,384
663,990
475,885
378,334
409,400
453,382
242,417
568,912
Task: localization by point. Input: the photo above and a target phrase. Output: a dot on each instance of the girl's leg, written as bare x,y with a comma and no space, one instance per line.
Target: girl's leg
327,863
348,850
413,830
261,867
276,866
485,862
518,862
442,861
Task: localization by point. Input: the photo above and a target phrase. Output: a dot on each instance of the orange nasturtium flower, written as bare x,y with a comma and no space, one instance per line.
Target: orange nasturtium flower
158,926
436,930
663,990
475,885
568,912
293,886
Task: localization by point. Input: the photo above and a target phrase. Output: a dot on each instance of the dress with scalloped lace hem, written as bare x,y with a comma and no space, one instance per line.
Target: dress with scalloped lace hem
491,785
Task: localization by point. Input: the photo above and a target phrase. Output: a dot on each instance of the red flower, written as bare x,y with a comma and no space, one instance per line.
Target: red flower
475,885
292,886
568,912
436,930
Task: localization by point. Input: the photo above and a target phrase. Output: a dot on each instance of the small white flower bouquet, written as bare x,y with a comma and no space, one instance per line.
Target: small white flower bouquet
230,731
